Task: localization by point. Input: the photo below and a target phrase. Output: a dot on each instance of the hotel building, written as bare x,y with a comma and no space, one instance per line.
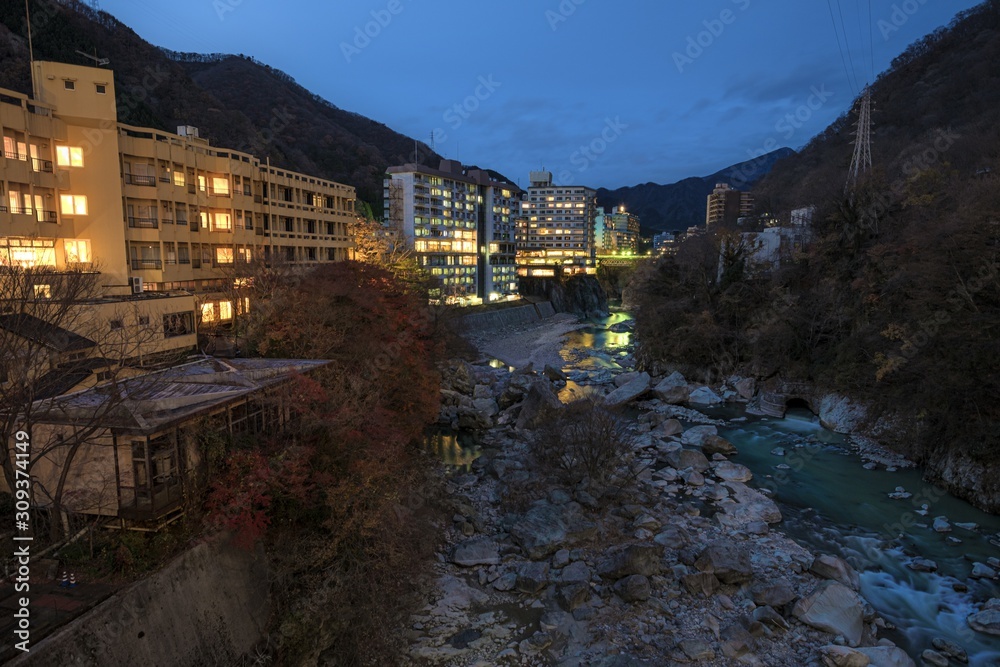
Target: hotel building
616,232
556,231
461,224
165,218
727,205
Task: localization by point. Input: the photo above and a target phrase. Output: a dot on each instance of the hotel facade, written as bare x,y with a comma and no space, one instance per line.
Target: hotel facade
461,224
165,218
557,229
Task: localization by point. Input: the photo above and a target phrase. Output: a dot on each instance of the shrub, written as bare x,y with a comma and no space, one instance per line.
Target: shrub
589,442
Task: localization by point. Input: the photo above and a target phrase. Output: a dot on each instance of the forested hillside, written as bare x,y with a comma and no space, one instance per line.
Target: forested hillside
897,300
235,101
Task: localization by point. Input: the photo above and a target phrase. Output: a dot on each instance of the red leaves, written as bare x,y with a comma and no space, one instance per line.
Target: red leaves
239,500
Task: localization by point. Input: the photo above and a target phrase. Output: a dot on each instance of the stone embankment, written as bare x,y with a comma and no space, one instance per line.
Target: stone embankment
681,567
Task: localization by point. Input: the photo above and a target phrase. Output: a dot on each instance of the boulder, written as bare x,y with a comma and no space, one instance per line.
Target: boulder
887,656
533,577
667,429
746,506
459,376
714,444
776,594
986,621
546,528
696,436
729,562
834,608
704,396
934,658
576,572
628,392
554,374
471,419
477,551
728,471
951,649
644,559
941,524
682,459
704,583
837,569
572,596
623,379
982,571
839,414
540,402
842,656
672,390
697,650
634,588
746,388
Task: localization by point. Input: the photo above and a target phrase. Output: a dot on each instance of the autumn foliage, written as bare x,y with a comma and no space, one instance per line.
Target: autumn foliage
330,494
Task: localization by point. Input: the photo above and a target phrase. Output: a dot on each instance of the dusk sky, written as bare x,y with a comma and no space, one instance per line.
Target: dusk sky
602,94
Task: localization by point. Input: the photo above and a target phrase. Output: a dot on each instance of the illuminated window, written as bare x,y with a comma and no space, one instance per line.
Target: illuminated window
204,220
69,156
208,312
246,255
77,251
43,291
246,304
201,183
179,178
73,204
223,255
220,186
225,310
223,222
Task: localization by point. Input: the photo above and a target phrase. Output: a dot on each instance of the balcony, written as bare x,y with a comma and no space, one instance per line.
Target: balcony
147,265
219,193
195,226
135,179
41,165
195,263
143,223
11,155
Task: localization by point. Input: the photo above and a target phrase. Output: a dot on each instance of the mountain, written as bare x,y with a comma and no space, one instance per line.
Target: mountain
894,305
235,101
682,204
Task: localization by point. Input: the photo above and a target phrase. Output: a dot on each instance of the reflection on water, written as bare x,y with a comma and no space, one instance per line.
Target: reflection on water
452,448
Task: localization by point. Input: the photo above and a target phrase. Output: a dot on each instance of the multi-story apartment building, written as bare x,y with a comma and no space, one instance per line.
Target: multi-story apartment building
727,205
616,232
61,216
167,211
461,224
556,231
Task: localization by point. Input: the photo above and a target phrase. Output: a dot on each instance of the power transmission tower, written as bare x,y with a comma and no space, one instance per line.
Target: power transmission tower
861,163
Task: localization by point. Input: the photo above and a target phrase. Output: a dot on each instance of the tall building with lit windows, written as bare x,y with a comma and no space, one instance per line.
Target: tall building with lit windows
166,218
461,223
166,210
727,205
556,232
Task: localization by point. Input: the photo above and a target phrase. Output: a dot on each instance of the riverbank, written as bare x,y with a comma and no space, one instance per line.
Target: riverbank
535,343
683,567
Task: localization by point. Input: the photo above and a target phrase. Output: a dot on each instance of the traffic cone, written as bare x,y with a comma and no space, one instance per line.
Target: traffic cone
63,581
72,580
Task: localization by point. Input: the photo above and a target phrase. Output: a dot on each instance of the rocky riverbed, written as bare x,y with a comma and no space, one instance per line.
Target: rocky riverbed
683,567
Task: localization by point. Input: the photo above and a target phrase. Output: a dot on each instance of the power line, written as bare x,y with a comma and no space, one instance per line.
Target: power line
843,59
871,37
847,45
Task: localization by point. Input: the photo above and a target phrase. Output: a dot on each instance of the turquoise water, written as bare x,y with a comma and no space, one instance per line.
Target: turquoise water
833,505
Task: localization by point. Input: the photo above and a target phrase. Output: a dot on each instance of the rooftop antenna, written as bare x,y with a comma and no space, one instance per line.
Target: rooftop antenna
433,145
31,52
101,62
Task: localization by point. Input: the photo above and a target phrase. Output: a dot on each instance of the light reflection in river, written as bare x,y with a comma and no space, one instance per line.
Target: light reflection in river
452,448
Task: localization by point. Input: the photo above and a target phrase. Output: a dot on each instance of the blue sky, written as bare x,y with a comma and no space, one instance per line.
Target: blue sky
601,93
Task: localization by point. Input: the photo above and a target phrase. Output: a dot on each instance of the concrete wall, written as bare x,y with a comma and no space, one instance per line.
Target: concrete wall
508,316
207,607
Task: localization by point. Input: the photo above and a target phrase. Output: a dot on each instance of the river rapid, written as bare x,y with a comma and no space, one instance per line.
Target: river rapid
833,503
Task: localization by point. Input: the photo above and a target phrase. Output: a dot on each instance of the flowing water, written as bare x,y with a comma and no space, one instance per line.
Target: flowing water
833,505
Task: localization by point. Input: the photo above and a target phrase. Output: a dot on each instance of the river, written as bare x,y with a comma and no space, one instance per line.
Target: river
833,504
